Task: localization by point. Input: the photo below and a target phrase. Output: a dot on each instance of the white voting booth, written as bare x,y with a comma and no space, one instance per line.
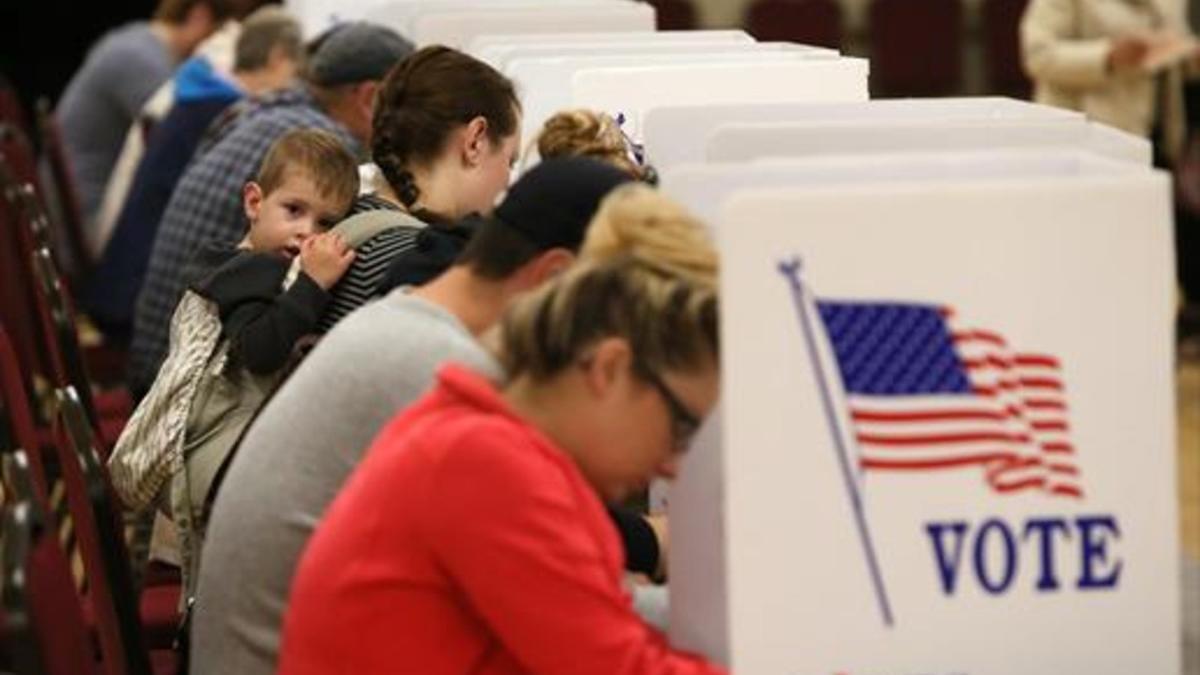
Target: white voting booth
632,90
946,442
677,134
498,50
456,22
545,82
704,188
318,15
743,142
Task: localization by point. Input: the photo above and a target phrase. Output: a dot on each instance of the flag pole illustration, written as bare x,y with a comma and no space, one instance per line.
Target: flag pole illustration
791,271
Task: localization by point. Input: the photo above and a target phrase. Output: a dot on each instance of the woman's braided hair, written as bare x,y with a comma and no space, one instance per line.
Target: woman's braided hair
424,99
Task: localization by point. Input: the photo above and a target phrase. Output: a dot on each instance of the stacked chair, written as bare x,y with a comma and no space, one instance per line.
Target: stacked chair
56,429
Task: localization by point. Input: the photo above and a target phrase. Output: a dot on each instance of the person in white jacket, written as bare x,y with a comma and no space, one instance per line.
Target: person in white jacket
1106,57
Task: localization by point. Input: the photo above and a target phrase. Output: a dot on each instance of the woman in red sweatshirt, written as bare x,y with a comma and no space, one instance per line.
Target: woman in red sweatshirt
473,538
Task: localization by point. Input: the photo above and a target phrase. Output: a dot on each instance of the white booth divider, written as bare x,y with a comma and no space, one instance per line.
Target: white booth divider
946,442
498,50
401,14
744,142
456,24
544,83
675,134
318,15
619,49
634,90
703,188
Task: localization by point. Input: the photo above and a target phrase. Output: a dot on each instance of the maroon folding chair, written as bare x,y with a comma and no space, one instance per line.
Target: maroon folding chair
810,22
33,231
15,398
1002,48
11,111
107,413
17,149
44,631
65,194
916,47
124,625
17,299
674,14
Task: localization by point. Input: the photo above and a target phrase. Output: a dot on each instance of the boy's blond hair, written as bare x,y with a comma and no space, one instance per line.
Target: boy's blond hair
320,156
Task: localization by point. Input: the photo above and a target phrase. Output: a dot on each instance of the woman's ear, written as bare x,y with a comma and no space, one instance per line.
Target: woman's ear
475,141
252,198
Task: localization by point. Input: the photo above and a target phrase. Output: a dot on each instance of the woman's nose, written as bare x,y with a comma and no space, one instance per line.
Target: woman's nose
670,468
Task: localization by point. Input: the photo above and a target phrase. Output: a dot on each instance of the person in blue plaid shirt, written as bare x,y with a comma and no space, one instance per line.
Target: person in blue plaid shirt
345,67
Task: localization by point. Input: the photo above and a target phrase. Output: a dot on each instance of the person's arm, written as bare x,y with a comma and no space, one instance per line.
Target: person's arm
1052,51
518,538
264,324
261,321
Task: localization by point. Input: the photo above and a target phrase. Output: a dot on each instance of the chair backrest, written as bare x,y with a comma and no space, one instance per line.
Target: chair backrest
17,149
58,319
916,47
18,302
11,111
1002,48
101,542
15,399
64,191
810,22
674,14
44,630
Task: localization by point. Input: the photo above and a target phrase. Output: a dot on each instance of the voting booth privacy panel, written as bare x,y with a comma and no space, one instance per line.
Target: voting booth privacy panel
633,90
483,45
671,131
704,188
457,22
678,134
946,438
545,82
500,54
744,142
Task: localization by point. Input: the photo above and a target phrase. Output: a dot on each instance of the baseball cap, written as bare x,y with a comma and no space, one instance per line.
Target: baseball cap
355,52
553,203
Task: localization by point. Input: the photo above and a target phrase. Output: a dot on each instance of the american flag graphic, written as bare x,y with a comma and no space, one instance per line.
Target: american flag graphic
928,395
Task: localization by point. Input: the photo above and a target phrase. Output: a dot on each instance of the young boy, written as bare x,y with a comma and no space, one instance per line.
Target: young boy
234,330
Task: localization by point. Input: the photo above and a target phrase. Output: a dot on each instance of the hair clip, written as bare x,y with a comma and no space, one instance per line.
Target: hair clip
637,151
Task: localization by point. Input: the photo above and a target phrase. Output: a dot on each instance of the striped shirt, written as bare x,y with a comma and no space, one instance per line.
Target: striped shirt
360,284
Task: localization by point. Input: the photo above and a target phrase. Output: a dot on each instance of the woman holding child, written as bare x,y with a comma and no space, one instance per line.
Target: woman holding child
446,134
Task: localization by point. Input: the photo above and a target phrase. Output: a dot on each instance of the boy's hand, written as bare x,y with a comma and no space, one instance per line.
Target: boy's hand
325,258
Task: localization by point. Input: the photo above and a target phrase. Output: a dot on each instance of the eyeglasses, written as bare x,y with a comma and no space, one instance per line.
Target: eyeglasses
684,424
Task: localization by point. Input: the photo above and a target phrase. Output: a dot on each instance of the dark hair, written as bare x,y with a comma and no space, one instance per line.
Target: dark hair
496,251
426,97
176,11
320,156
263,31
